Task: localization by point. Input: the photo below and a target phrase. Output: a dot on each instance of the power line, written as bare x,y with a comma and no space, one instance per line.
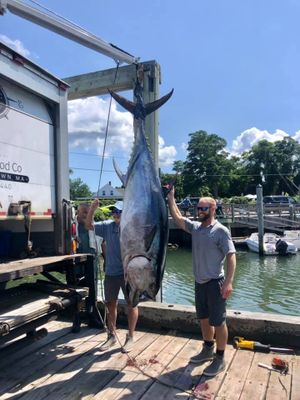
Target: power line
173,173
97,155
92,169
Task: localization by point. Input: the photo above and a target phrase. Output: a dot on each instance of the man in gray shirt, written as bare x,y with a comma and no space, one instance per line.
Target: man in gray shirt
211,245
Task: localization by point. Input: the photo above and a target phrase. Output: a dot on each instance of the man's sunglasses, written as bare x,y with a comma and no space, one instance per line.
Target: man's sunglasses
116,211
203,208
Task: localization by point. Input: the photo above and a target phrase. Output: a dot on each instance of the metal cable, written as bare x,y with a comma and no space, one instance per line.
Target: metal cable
106,132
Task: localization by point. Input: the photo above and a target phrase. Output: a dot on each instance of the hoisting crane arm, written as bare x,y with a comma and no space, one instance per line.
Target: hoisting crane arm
66,29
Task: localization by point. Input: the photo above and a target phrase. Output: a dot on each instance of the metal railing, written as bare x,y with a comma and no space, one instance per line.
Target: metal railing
276,217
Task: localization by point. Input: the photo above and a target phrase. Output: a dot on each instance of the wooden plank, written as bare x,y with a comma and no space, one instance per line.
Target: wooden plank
73,369
280,385
118,386
112,370
186,377
96,83
235,378
27,309
107,384
19,315
178,376
151,345
156,361
14,352
85,376
39,366
207,387
31,266
295,367
257,380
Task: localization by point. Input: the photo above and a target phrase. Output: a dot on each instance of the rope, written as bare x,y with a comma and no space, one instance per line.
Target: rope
106,132
156,379
104,319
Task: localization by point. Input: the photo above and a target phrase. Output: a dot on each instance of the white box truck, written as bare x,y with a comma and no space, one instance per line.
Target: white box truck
35,211
34,171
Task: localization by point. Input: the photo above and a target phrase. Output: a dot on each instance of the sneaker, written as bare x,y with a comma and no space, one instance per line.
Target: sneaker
110,341
217,366
206,354
128,345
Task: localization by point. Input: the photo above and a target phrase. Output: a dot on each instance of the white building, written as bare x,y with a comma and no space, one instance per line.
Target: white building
109,192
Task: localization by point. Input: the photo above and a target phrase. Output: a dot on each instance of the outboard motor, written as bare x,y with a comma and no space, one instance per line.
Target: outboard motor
281,247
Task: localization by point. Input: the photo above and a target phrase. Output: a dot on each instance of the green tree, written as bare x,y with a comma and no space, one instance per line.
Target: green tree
287,153
79,189
275,165
207,164
175,178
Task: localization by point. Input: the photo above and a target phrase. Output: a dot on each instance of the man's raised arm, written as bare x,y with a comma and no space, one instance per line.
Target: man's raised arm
174,210
89,222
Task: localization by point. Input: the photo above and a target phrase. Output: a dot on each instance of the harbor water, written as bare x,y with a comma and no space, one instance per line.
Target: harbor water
261,284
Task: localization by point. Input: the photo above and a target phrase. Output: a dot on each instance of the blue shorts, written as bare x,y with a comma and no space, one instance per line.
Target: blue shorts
112,286
209,301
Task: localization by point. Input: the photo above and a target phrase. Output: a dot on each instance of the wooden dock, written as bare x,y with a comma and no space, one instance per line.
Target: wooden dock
64,365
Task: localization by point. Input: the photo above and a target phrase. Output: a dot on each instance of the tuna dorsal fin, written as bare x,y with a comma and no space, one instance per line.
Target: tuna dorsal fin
123,177
150,107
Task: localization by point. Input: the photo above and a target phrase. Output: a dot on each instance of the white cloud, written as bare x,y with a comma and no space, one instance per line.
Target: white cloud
297,136
17,45
87,125
250,136
166,153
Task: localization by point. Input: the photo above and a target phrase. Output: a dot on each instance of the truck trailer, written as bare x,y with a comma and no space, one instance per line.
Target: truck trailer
36,214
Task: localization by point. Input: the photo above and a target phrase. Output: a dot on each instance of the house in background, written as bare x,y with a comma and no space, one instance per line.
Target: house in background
109,192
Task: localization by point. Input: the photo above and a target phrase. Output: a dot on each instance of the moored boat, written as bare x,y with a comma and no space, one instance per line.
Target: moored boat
292,236
273,245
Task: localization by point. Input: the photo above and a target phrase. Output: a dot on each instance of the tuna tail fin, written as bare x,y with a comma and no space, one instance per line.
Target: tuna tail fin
148,109
127,104
123,177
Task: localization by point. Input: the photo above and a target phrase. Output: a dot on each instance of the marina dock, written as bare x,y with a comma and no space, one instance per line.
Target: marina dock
65,365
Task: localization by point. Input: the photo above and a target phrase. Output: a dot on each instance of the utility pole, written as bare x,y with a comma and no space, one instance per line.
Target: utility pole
260,218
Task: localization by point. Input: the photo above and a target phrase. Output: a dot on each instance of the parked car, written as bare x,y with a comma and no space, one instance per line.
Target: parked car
279,200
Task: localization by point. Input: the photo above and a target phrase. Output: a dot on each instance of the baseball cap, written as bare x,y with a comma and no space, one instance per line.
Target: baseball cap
119,205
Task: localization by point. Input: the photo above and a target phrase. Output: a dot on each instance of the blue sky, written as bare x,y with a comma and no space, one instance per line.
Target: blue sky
234,67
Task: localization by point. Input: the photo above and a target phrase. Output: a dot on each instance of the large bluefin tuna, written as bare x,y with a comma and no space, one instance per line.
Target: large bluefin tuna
144,222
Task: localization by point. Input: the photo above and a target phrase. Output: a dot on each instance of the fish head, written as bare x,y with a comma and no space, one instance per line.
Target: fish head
141,279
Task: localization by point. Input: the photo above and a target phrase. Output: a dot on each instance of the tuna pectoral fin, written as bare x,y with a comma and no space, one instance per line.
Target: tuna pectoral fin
166,189
123,177
148,240
135,298
133,295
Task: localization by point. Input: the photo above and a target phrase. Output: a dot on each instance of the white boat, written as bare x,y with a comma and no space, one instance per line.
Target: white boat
292,236
273,245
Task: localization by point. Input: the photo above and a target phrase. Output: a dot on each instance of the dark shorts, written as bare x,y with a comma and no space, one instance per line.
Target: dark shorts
112,286
209,302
